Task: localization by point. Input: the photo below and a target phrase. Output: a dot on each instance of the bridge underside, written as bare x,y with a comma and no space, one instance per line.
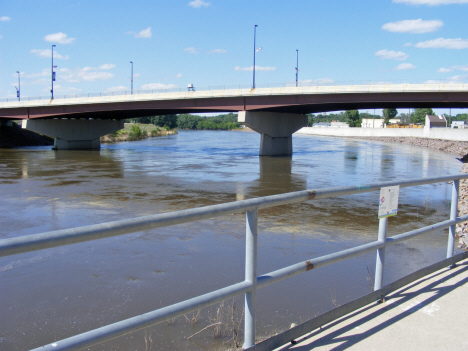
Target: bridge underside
298,104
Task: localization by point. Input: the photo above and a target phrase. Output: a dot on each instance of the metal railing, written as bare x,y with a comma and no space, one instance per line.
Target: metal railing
304,84
252,282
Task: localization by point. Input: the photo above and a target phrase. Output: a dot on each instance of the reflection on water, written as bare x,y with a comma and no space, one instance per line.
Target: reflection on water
52,294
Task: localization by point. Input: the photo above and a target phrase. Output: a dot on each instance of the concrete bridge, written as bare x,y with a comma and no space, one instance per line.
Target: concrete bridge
275,113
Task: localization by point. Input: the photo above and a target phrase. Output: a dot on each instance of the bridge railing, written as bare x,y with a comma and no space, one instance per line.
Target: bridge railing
252,282
301,84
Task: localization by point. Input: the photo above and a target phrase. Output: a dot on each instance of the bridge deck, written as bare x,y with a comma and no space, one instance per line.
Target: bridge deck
299,100
429,314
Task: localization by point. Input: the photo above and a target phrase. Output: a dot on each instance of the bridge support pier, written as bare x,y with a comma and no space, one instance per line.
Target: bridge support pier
276,130
71,134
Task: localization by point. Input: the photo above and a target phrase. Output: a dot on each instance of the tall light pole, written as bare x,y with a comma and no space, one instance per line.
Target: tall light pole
255,50
131,79
18,90
53,73
297,65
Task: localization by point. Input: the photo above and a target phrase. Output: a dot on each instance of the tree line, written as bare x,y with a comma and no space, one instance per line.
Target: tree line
354,117
192,122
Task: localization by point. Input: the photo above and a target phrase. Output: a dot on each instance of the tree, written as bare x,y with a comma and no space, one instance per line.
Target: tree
388,114
165,121
419,115
352,117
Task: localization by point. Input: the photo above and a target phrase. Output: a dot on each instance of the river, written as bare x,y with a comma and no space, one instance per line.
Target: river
52,294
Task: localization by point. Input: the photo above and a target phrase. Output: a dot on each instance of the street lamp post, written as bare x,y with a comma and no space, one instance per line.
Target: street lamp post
255,49
53,73
297,65
18,90
131,79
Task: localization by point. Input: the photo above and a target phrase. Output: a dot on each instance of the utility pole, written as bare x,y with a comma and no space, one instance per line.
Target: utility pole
131,79
255,50
18,90
53,73
297,65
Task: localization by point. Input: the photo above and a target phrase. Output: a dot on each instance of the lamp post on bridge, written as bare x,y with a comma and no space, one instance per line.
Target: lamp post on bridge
131,79
18,90
53,73
297,65
255,50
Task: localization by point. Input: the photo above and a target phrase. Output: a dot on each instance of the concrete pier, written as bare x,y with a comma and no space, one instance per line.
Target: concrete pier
276,130
73,134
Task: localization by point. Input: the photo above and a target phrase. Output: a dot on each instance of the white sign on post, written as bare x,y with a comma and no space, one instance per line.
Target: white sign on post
388,203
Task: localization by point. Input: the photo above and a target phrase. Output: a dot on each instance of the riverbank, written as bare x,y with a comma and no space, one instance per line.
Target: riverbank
459,148
136,131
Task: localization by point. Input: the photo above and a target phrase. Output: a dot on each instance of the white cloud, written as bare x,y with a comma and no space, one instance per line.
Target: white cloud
145,33
404,66
116,89
88,74
453,68
444,70
217,51
391,55
4,19
48,54
191,50
65,90
454,79
158,86
198,3
178,75
413,26
408,44
59,37
257,68
44,73
442,43
107,66
431,2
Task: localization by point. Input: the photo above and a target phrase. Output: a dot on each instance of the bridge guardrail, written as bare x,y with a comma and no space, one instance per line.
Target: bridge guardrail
305,84
252,282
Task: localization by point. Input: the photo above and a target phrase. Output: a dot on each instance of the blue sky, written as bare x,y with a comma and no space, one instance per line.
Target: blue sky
210,43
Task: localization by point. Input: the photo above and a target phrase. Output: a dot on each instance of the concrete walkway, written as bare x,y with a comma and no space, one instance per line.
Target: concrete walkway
429,314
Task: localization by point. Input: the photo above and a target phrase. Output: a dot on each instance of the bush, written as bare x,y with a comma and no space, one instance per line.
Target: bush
135,133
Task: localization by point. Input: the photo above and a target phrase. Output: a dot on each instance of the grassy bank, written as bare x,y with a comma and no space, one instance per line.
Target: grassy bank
136,131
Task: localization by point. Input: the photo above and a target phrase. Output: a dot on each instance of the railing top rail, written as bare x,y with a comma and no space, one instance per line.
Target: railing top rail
28,243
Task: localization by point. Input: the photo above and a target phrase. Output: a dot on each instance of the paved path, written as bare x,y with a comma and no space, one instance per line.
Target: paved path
429,314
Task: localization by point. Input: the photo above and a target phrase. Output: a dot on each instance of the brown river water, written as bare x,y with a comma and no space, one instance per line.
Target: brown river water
52,294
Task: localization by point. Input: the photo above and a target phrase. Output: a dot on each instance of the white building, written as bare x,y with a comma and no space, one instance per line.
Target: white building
435,122
458,124
372,123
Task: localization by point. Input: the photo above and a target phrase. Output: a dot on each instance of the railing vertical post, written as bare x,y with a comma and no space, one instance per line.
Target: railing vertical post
453,215
380,260
251,276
